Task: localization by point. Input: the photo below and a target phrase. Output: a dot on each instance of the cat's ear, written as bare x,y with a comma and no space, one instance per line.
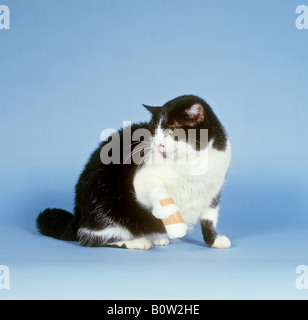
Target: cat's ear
195,113
151,109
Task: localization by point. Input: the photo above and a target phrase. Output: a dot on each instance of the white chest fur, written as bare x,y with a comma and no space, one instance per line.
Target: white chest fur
192,190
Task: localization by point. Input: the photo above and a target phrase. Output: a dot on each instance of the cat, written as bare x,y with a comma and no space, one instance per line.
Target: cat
112,206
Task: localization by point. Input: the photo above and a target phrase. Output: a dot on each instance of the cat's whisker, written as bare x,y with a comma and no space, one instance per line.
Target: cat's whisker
137,150
198,141
134,142
137,142
146,157
147,143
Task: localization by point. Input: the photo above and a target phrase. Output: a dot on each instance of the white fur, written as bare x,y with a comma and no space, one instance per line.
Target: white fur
192,193
210,214
144,243
221,242
194,110
106,234
127,239
138,243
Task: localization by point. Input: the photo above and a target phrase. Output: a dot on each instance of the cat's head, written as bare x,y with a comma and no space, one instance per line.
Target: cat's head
179,128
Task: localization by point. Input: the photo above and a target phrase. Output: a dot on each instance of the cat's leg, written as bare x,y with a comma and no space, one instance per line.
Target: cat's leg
164,207
152,193
150,190
209,219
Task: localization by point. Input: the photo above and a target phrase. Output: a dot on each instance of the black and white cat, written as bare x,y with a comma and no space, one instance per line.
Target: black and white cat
112,201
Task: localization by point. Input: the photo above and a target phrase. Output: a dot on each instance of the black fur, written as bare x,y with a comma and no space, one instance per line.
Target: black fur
104,194
54,222
216,200
102,191
209,232
216,131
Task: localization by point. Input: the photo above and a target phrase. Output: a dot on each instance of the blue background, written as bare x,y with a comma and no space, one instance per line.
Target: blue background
70,69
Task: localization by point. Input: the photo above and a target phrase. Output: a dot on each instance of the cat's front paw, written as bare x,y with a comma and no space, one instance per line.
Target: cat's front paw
221,242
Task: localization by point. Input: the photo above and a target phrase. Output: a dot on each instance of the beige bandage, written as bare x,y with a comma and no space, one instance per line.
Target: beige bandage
165,202
173,219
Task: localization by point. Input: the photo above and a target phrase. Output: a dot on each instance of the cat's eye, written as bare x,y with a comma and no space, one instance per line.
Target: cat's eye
171,130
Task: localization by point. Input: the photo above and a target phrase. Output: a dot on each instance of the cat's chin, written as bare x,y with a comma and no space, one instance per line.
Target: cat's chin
169,155
162,157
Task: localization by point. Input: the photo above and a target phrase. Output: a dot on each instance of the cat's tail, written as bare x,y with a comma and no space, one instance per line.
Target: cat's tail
57,223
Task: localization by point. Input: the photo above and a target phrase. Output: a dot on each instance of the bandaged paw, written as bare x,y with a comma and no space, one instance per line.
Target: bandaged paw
175,226
164,208
162,203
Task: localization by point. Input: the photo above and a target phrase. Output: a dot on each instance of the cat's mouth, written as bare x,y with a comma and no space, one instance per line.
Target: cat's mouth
166,154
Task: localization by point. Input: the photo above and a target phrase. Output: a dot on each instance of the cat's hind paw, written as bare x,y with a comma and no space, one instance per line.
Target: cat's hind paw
139,243
161,241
